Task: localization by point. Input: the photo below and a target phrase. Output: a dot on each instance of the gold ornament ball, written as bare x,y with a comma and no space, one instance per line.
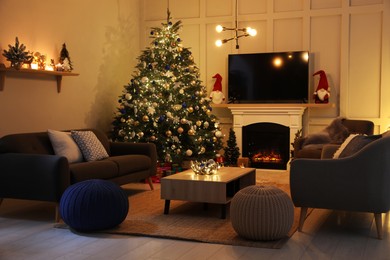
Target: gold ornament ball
215,139
180,130
218,133
191,132
188,152
152,138
145,118
190,109
198,123
183,121
140,134
136,123
168,133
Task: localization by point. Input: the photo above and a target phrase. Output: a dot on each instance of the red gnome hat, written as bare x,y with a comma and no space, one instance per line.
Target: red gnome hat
321,95
218,82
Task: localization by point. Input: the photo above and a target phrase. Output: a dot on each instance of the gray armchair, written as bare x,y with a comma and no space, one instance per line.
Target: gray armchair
360,182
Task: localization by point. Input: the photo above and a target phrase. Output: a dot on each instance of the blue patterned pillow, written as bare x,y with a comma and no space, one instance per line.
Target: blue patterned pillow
90,146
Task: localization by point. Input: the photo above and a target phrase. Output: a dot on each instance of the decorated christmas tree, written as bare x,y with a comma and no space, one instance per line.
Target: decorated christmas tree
231,150
166,104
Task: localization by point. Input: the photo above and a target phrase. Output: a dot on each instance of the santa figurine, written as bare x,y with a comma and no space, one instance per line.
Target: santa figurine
322,94
216,95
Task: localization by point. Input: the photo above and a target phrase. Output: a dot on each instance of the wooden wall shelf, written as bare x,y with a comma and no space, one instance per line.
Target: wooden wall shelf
324,105
57,74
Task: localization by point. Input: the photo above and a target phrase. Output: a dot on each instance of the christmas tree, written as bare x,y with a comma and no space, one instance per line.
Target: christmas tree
231,151
166,104
65,58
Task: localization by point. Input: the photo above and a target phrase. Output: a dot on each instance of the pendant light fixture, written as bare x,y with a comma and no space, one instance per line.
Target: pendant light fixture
238,32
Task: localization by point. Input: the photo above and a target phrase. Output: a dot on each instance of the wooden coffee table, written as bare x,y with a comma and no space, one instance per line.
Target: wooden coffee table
217,189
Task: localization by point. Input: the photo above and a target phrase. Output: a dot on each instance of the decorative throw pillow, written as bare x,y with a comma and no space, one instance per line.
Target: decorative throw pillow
64,145
354,144
343,145
90,146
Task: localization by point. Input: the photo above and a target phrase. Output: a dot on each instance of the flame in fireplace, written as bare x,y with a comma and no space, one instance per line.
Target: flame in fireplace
267,157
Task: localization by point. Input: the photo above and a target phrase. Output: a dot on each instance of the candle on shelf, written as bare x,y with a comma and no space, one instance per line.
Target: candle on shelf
34,66
49,68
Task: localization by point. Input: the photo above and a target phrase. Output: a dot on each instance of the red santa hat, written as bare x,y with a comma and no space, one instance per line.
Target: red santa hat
218,82
323,83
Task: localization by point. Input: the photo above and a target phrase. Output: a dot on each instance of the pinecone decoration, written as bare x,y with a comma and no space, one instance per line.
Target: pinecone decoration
17,55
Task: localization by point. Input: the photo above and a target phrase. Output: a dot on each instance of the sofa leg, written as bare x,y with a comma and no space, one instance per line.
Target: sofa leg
302,218
149,179
1,200
57,216
378,222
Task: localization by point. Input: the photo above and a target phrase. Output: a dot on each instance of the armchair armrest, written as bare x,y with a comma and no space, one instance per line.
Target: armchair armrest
33,176
328,151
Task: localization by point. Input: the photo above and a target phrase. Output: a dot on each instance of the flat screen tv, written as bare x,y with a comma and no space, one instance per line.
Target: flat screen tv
277,77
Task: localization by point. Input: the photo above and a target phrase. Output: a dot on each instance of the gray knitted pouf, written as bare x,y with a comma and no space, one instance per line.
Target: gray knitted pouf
261,213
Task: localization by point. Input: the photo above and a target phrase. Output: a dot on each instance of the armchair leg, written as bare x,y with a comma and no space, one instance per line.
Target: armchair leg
302,218
378,222
150,182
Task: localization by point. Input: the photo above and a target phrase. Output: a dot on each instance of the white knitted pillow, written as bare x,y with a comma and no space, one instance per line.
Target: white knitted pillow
90,146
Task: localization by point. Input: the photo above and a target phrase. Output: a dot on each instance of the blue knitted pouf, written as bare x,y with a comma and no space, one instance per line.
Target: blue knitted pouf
93,205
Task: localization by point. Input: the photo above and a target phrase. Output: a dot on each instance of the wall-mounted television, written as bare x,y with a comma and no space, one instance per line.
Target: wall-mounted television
277,77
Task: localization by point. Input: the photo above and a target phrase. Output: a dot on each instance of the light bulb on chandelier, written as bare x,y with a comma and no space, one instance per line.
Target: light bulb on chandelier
238,32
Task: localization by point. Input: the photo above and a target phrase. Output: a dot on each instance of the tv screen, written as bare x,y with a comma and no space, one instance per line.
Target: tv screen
281,77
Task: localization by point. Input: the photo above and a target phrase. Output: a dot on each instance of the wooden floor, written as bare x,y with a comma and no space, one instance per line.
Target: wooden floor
27,232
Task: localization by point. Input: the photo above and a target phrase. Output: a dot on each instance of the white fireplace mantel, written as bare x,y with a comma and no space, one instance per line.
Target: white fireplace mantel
283,114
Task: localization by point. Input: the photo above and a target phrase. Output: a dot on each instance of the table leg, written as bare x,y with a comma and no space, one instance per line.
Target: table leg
166,207
223,211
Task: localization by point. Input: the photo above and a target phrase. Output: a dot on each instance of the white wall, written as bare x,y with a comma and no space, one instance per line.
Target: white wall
349,40
102,38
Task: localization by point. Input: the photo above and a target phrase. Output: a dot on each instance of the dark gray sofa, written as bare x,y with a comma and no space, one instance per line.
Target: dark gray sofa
29,168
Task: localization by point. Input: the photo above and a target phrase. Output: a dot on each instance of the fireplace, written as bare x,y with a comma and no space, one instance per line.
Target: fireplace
287,116
267,145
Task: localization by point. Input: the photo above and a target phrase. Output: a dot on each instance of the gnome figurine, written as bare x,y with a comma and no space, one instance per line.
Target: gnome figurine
216,95
322,94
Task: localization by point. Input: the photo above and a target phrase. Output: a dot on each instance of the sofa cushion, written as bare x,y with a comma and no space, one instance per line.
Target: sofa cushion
90,146
104,169
64,145
131,163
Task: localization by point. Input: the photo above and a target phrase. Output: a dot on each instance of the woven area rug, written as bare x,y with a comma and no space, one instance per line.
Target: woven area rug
187,221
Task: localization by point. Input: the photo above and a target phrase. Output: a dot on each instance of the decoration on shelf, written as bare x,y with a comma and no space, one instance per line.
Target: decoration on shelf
232,152
40,60
166,90
322,94
17,55
208,167
216,95
65,62
245,31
